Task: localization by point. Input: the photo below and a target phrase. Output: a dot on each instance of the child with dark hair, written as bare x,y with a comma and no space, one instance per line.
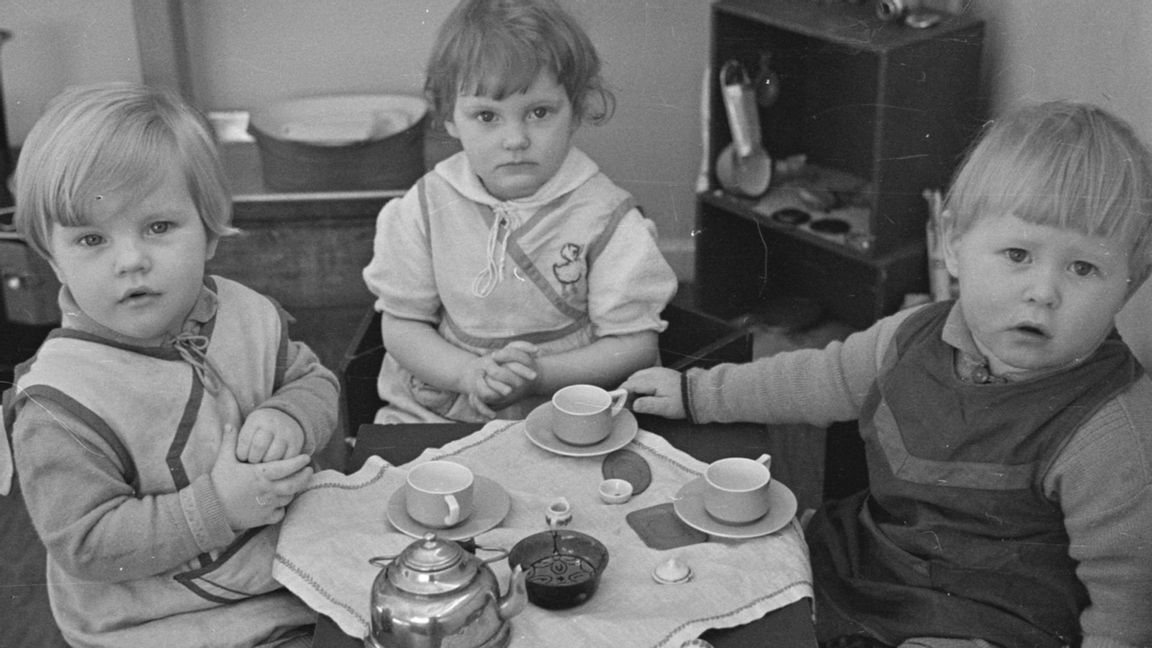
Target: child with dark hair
515,267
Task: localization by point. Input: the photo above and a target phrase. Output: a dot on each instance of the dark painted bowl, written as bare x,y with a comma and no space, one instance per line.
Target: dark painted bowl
563,567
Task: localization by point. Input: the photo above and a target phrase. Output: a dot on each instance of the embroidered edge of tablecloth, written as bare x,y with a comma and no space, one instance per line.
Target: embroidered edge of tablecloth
376,467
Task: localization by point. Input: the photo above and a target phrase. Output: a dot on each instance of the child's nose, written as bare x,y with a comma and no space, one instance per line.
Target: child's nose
515,137
1044,287
131,257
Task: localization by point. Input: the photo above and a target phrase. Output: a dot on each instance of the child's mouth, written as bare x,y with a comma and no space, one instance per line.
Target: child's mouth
1031,330
135,295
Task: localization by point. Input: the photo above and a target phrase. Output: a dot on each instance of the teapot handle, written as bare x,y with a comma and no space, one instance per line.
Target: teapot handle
382,561
501,554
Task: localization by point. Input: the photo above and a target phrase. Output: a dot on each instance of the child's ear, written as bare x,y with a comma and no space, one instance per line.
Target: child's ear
450,126
56,270
213,241
949,240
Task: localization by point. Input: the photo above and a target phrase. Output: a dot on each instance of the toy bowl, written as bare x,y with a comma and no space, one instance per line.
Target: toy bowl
563,567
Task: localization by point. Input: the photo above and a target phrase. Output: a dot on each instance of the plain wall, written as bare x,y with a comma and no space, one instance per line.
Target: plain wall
247,52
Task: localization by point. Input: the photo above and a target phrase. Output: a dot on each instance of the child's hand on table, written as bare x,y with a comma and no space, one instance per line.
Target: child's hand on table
498,379
657,391
268,435
255,494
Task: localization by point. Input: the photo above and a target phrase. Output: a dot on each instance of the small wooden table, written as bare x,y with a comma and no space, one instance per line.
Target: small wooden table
790,625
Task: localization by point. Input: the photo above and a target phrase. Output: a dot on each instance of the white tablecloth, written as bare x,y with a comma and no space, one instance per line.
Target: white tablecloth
340,521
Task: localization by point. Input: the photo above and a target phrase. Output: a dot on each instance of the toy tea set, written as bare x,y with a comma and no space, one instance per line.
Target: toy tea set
439,592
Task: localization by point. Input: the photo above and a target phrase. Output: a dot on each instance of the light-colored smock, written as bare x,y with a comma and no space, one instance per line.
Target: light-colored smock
570,264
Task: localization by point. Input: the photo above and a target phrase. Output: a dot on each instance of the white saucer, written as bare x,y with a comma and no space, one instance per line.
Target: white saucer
689,507
538,428
491,505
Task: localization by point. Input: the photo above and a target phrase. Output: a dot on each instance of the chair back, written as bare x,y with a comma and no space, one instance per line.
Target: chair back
692,339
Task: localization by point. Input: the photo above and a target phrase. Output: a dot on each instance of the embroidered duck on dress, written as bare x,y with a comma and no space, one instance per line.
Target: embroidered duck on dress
571,270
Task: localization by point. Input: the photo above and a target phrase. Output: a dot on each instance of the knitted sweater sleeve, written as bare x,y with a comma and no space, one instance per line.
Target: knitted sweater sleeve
814,386
101,530
1103,482
309,392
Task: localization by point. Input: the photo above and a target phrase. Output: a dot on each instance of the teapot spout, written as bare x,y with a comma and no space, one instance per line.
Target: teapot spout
517,597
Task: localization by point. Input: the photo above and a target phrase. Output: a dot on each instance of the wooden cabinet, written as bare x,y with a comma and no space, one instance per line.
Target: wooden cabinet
306,250
308,256
881,111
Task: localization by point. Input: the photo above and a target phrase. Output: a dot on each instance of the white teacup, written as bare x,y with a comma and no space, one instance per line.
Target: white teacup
583,414
439,494
736,489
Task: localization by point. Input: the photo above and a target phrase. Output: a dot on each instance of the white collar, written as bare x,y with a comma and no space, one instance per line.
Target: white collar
575,171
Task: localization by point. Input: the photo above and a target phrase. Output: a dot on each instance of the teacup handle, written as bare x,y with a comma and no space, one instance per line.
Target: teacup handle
765,459
619,397
453,510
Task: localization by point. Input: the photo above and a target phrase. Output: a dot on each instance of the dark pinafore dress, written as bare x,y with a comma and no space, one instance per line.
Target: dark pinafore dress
955,536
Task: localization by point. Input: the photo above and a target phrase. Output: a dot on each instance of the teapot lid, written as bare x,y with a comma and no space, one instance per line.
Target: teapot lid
432,566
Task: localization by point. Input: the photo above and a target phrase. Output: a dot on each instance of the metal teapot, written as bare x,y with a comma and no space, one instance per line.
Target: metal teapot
434,594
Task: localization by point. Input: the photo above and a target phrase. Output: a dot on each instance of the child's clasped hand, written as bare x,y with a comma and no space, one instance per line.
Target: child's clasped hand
267,435
495,380
255,494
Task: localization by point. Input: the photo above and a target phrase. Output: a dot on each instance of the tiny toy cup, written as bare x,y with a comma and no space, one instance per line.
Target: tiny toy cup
615,491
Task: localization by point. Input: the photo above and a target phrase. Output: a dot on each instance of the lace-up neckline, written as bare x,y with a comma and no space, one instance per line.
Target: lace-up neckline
193,349
495,253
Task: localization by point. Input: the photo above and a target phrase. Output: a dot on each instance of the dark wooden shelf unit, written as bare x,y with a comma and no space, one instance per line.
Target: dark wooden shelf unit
890,105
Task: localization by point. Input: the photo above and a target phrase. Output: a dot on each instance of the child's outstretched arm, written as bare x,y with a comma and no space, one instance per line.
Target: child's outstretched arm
657,391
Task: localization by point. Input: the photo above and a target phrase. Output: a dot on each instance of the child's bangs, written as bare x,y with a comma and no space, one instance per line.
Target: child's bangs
498,70
128,163
1060,179
1089,185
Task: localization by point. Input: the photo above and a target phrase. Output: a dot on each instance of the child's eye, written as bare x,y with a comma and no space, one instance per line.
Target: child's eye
1083,268
1016,255
159,227
89,240
486,116
541,112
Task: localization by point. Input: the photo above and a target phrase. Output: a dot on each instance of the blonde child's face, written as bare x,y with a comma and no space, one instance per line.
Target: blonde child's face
137,269
517,143
1036,297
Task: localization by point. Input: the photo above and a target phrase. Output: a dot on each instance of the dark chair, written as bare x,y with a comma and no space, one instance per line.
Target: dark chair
692,339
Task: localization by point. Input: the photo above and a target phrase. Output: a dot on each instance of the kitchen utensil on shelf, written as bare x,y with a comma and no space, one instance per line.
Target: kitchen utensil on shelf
436,594
743,167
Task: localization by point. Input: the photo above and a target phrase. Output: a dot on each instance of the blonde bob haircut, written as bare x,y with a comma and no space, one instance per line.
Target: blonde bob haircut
96,139
496,48
1060,164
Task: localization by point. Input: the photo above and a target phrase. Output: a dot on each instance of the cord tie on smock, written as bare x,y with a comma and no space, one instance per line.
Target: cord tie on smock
193,349
495,254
